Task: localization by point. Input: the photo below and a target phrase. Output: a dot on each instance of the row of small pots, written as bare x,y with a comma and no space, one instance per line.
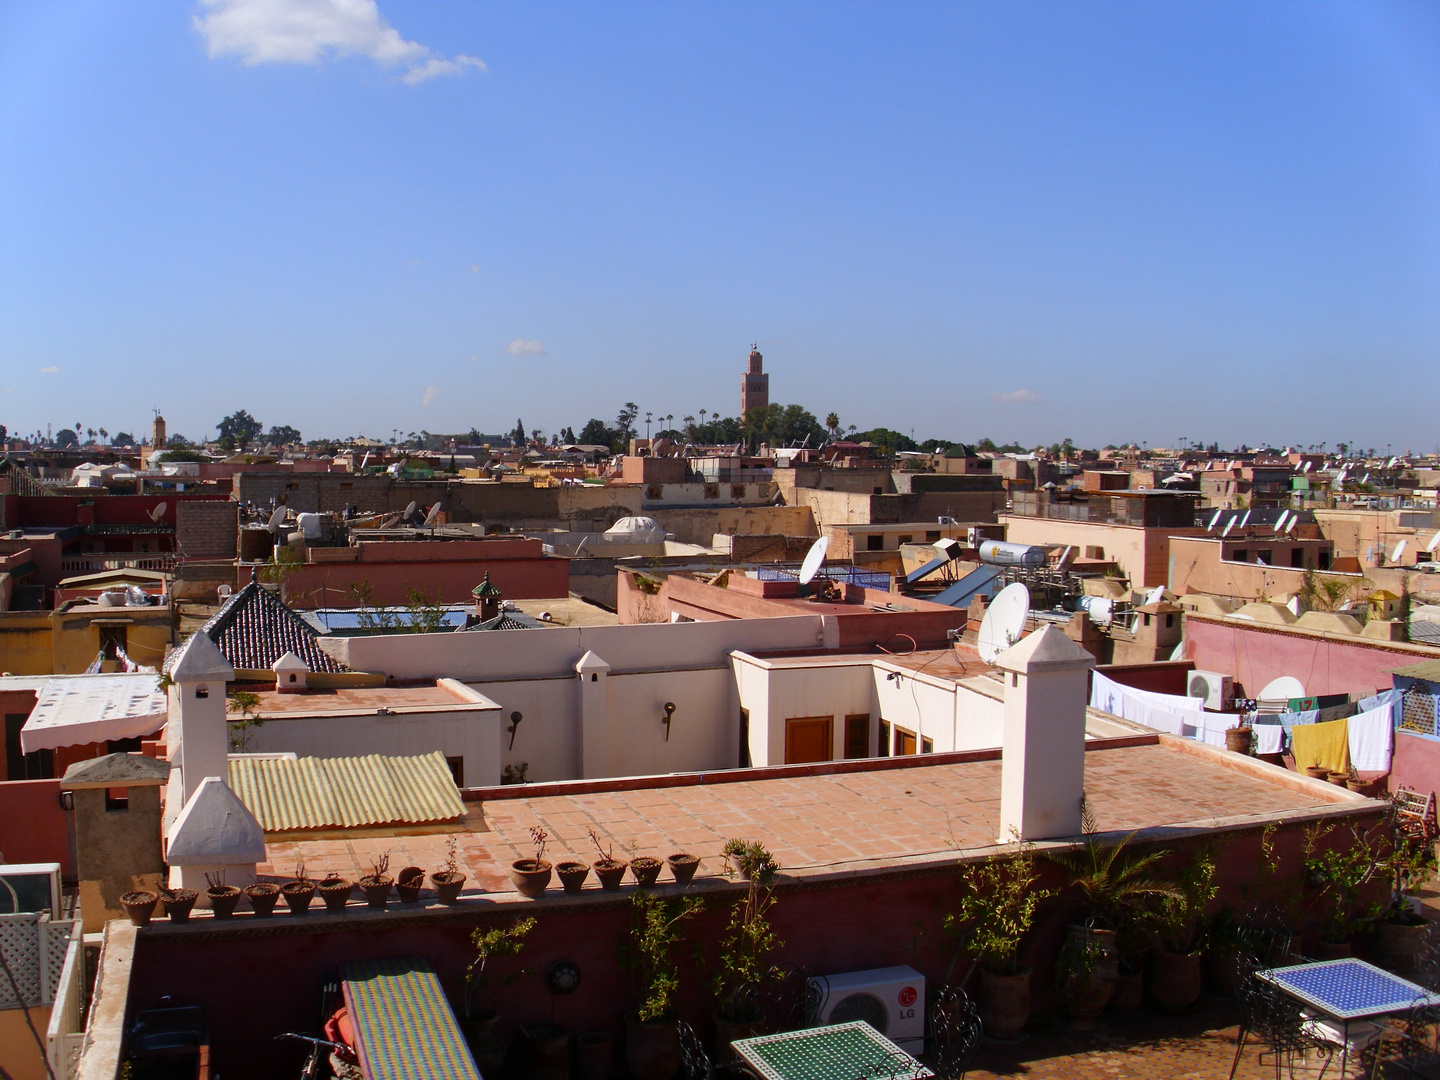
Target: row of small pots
298,895
531,877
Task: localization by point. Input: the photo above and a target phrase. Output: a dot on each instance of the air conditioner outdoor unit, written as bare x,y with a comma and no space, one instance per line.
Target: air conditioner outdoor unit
891,1000
1214,687
30,887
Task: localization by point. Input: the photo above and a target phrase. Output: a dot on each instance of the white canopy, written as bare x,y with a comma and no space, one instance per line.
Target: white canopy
93,709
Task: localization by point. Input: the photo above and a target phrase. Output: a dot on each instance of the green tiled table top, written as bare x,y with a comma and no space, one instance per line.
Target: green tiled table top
854,1051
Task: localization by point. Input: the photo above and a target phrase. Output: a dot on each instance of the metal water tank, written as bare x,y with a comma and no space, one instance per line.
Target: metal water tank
1001,553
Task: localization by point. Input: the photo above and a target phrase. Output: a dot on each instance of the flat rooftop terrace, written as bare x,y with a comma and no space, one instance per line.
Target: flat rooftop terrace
833,819
348,700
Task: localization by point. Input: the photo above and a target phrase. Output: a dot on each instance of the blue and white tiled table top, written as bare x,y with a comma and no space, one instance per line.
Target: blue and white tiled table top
1348,989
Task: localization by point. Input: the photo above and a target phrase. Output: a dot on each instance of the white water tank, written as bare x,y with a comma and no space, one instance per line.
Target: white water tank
1000,553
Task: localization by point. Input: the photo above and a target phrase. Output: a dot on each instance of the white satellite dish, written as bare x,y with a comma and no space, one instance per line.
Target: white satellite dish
158,512
276,518
1283,689
1434,543
1280,521
1399,550
1245,520
433,514
1004,622
1228,526
1294,520
409,510
365,461
814,559
1341,478
1155,595
1215,520
1391,465
1068,556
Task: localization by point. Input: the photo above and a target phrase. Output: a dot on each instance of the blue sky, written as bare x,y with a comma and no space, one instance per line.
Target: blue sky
1027,221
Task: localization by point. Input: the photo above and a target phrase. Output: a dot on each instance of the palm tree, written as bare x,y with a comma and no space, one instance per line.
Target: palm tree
832,424
689,426
1116,892
647,424
703,413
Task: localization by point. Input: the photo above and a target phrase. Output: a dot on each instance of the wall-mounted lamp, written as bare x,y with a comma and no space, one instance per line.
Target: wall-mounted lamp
515,718
669,713
67,800
892,676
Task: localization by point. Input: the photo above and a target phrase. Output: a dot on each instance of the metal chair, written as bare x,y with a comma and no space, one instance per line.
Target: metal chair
1416,1037
696,1063
1278,1022
955,1031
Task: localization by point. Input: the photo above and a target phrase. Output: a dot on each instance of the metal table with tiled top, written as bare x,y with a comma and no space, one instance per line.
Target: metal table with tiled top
853,1051
1348,990
404,1028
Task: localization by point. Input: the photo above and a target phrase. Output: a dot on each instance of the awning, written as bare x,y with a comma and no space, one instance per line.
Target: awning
94,709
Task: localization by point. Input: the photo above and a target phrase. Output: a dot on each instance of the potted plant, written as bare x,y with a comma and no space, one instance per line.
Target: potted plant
995,910
408,884
139,904
1342,874
263,896
1116,891
223,898
376,884
683,866
743,967
572,874
532,876
506,939
448,880
1175,975
299,891
178,903
1401,930
610,870
335,891
1239,739
652,1044
1085,975
646,869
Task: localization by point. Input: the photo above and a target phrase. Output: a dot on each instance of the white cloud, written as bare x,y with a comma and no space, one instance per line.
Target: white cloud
1011,397
310,31
521,347
51,370
428,398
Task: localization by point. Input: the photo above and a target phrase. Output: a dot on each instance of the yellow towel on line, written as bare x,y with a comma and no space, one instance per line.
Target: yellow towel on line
1325,745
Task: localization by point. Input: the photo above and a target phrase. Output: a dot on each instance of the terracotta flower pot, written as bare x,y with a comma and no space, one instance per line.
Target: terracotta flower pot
683,866
610,872
595,1055
546,1051
224,899
1239,740
1333,950
1398,944
1175,979
1317,772
447,885
408,884
1004,1002
376,889
1356,784
139,905
531,877
263,897
335,891
646,870
652,1048
1339,779
487,1049
298,895
1086,994
572,875
179,903
727,1031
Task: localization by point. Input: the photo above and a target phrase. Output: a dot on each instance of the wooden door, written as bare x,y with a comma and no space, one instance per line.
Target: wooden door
808,738
904,742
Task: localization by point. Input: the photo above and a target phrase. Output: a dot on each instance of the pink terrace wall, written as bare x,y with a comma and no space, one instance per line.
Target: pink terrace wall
1254,655
33,827
1417,763
260,979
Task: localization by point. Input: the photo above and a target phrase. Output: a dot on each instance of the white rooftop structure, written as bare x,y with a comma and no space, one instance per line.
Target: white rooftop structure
636,530
98,708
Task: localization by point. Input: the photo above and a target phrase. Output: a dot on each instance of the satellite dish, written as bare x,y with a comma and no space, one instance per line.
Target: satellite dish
409,510
1295,520
1245,520
1228,526
1341,478
1154,596
1399,550
433,514
1215,520
1004,622
1434,542
814,559
1283,689
158,512
276,518
1391,465
1308,464
1280,521
1068,556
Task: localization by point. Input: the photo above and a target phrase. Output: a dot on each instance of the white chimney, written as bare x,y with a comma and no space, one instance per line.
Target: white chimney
195,730
1042,776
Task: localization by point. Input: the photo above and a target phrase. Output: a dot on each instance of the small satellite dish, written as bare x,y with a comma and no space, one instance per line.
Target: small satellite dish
276,518
1308,464
1294,520
1004,622
1068,556
1399,550
409,510
1434,543
1392,462
1214,520
1155,595
1228,526
814,559
1341,478
1245,520
1283,689
158,512
1280,521
433,514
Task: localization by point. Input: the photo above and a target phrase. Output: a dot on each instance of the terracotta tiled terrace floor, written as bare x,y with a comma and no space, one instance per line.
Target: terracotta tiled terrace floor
813,823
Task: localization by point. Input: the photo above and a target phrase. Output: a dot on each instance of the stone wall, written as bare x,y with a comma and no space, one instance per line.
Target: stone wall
207,530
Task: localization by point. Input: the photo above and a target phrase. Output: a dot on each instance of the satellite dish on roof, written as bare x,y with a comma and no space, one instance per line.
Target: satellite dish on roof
1294,520
1214,520
433,514
1434,543
1245,520
1399,550
409,510
1308,464
1341,478
276,518
1155,595
1004,622
1280,521
158,512
1283,689
814,559
1228,526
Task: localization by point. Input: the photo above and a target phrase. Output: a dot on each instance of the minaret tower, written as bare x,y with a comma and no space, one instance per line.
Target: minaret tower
755,389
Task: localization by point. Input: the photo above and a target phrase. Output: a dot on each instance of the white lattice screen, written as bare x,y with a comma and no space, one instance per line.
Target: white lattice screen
34,949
